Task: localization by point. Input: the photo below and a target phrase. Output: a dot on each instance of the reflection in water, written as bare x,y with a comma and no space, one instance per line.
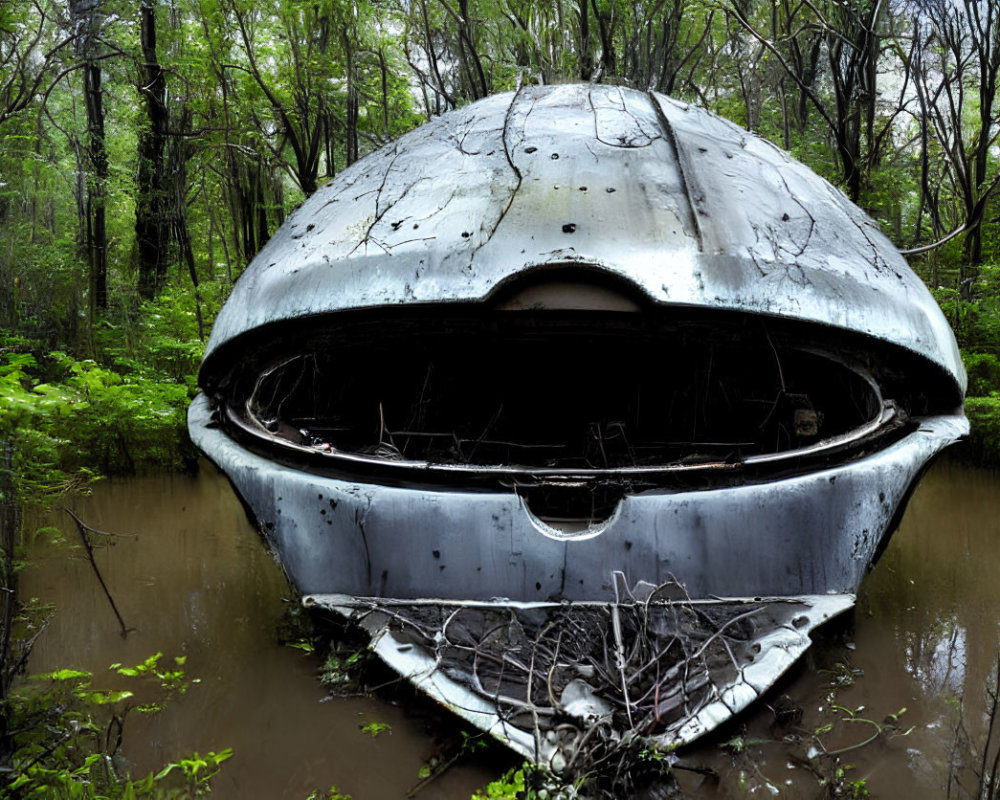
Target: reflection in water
198,582
936,585
924,637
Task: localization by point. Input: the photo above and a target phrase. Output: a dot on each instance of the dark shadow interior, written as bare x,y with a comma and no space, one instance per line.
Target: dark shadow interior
598,390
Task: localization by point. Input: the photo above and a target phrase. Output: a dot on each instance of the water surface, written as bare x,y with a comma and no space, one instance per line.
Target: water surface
197,581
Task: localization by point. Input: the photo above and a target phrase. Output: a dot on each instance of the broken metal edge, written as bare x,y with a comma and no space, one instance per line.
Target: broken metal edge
779,649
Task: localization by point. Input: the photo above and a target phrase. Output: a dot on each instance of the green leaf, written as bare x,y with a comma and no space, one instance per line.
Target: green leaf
64,675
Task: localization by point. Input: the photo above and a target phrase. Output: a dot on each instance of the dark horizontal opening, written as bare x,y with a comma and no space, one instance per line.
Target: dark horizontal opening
560,389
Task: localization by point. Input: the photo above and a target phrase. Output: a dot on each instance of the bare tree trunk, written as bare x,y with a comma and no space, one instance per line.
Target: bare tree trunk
97,156
87,17
586,59
10,529
351,139
179,154
152,235
605,22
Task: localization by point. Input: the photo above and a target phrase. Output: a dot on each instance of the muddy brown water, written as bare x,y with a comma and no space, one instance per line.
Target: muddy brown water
197,581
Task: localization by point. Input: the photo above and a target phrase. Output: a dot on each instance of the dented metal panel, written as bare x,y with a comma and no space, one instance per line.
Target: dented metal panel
687,206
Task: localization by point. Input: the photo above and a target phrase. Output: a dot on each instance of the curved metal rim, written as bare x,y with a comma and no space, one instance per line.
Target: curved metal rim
883,422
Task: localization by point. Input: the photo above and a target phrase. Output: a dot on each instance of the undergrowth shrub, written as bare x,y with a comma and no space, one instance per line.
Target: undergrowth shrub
71,419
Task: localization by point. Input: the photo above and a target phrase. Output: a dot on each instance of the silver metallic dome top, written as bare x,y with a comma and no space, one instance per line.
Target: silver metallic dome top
687,206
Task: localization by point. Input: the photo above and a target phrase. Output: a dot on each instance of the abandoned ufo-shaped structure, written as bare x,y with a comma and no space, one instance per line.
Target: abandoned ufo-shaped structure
580,364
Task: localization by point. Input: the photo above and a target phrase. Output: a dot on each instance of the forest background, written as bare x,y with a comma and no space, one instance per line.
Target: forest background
148,150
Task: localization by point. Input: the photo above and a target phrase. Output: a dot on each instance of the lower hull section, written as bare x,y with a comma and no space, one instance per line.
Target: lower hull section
650,627
571,685
810,534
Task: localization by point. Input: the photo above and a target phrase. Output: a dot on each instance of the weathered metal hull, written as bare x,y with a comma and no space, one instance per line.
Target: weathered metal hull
814,533
580,358
795,549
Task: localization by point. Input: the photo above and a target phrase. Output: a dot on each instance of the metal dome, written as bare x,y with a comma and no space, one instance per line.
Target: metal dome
687,207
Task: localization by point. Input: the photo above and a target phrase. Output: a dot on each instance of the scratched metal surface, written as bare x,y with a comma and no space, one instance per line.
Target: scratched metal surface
815,533
690,208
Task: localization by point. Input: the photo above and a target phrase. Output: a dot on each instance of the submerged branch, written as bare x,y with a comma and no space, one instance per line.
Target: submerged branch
83,528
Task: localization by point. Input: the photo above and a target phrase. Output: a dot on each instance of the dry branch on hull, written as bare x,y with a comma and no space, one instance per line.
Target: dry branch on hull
592,684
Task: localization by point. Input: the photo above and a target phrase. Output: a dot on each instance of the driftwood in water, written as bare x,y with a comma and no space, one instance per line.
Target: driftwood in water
84,529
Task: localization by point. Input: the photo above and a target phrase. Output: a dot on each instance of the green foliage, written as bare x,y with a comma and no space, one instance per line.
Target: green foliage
96,779
983,370
984,420
341,671
975,318
508,787
198,770
333,793
173,679
375,729
858,789
63,726
70,419
161,341
530,782
888,195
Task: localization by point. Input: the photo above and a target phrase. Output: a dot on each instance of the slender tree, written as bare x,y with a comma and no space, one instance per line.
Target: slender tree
87,17
151,231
